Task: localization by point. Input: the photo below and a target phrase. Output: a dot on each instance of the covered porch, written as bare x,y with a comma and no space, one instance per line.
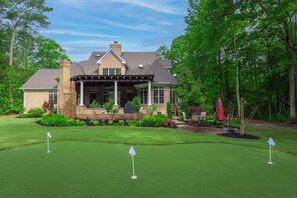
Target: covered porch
100,89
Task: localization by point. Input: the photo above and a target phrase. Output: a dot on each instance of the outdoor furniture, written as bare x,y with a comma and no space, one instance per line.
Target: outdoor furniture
185,118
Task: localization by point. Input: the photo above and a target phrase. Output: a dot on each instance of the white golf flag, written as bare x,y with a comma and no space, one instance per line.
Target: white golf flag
49,135
271,142
132,151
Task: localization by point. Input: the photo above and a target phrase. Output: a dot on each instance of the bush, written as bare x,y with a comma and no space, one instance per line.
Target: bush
168,122
35,112
169,109
108,106
58,120
24,115
133,123
121,122
94,122
110,122
94,104
152,109
103,122
136,104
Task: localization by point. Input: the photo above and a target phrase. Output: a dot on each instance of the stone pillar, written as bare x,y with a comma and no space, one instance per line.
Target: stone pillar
149,93
65,93
115,93
81,93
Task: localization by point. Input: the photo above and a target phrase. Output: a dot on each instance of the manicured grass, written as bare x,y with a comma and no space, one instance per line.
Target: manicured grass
16,132
90,169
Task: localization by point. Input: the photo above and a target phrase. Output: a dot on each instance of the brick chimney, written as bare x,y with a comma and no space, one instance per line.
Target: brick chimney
116,47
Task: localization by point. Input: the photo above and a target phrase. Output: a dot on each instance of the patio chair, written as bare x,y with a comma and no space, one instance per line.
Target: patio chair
185,118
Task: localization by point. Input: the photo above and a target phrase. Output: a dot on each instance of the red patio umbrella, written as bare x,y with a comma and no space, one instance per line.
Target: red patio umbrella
220,112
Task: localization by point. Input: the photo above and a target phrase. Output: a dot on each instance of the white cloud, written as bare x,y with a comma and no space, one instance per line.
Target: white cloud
142,27
162,6
69,32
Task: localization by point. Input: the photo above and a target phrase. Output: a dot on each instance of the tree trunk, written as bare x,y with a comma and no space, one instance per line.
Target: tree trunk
237,80
242,121
290,55
10,66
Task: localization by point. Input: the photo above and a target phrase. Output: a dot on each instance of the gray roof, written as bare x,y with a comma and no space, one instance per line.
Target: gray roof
46,78
162,75
43,79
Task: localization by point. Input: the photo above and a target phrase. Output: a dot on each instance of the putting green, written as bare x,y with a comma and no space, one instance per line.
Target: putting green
88,169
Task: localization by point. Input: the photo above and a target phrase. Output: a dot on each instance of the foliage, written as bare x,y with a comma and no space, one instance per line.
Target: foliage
110,122
108,106
94,104
136,104
169,109
58,120
94,122
24,115
151,109
234,49
168,122
48,106
121,122
35,112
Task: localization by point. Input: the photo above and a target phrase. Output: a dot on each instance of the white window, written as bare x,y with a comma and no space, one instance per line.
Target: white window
159,95
111,72
172,97
118,71
143,95
52,96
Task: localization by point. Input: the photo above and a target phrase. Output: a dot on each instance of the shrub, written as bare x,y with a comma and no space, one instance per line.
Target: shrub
169,109
94,104
24,115
162,116
152,109
133,123
48,106
121,122
103,122
148,121
58,120
136,104
35,112
167,122
94,122
108,106
110,122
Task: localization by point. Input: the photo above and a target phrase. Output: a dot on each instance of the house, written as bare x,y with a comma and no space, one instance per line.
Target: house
107,75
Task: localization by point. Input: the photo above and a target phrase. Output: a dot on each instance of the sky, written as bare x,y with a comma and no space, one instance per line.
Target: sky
83,26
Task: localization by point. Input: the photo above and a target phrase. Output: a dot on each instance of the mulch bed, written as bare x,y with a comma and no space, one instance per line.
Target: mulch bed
238,135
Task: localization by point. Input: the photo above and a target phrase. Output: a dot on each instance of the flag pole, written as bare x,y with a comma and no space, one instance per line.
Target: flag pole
134,176
270,162
48,151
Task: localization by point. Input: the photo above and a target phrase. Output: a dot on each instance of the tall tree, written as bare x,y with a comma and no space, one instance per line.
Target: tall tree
22,15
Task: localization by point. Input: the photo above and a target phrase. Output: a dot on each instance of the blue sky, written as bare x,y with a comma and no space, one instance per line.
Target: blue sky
83,26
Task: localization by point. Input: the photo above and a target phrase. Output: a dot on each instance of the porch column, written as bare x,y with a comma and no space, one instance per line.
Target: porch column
149,93
81,93
116,93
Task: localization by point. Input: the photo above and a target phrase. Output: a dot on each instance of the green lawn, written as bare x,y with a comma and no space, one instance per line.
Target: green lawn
94,161
81,169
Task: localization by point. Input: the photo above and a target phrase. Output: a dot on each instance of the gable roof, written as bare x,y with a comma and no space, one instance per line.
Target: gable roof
114,53
43,79
162,75
46,78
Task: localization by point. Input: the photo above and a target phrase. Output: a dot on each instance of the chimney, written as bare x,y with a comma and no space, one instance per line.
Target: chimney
116,47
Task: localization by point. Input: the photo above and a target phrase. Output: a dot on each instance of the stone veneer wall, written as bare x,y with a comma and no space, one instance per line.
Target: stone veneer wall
66,93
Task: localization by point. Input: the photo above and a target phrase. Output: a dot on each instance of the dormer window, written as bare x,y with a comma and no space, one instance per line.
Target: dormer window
112,72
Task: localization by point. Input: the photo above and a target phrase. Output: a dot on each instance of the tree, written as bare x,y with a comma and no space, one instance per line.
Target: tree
25,15
49,53
162,51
